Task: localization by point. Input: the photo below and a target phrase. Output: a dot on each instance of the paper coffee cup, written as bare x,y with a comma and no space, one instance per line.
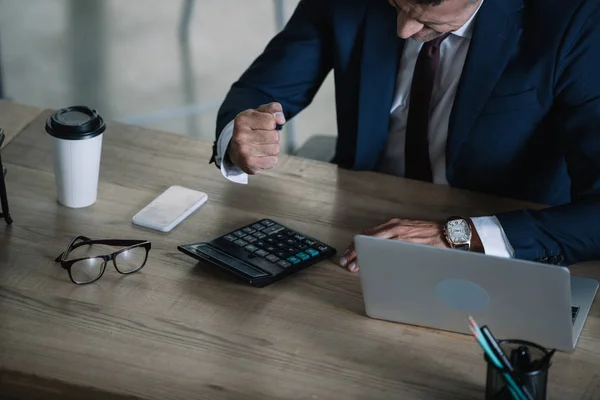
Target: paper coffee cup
76,147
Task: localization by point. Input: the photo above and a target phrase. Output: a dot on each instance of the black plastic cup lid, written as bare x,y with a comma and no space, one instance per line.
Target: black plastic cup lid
75,123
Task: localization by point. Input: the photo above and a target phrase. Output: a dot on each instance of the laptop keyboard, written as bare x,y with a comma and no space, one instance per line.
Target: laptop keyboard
574,312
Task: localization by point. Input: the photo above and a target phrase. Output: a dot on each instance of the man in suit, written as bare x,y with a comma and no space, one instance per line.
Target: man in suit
496,96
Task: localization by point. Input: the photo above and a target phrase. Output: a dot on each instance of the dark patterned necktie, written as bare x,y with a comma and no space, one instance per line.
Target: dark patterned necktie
417,162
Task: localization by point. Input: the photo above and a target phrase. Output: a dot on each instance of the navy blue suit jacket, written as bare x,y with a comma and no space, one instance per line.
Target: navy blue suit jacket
526,119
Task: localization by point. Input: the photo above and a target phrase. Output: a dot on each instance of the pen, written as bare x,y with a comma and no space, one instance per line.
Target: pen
513,387
521,359
495,346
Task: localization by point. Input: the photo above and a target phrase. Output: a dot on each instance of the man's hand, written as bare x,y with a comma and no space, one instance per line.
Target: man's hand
254,146
422,232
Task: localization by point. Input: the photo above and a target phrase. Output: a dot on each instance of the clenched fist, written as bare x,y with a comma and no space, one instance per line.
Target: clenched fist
254,146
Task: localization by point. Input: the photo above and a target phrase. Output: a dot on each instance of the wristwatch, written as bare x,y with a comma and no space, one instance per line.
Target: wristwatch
458,233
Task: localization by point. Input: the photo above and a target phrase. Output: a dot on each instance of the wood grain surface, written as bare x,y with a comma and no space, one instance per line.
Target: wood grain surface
183,330
14,117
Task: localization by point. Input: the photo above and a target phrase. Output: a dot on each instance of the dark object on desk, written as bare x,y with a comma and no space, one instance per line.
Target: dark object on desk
3,196
261,253
1,76
530,364
86,266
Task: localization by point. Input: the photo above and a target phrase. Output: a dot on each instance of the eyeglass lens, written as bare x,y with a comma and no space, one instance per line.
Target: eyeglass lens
87,270
131,260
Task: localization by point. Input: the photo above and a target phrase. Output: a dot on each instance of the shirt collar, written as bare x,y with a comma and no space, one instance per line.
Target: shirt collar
466,31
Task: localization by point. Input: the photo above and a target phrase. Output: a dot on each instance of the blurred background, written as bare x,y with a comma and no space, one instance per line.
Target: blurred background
163,64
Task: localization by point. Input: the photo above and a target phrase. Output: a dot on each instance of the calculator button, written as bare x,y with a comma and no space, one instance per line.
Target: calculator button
289,232
250,239
259,235
281,245
273,229
282,254
267,222
294,260
260,244
291,250
270,240
284,264
322,248
312,252
249,230
299,237
280,236
251,248
310,242
270,249
230,238
239,234
303,256
241,242
291,242
302,247
272,258
258,227
262,253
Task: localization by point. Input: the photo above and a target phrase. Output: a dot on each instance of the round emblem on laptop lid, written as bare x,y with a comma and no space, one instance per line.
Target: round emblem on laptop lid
462,294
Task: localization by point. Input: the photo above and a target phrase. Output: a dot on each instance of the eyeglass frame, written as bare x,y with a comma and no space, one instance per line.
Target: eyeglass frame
129,243
4,213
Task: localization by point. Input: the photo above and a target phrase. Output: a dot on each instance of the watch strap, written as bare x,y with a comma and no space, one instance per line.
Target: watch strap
476,244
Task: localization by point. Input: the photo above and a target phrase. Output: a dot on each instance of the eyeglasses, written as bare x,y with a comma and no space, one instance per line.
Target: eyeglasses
3,197
89,268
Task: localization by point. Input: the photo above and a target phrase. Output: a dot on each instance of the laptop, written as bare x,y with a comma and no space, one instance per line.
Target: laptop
438,288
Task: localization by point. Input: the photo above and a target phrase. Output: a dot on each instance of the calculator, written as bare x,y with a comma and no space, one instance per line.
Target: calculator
261,253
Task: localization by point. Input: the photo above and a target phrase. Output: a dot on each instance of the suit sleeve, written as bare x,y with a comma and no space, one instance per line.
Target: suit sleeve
290,70
570,233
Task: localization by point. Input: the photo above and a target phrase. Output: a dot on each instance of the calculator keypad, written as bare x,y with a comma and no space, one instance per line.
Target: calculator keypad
273,247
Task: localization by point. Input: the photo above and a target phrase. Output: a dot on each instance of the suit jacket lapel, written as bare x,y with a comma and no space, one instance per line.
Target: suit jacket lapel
495,37
379,69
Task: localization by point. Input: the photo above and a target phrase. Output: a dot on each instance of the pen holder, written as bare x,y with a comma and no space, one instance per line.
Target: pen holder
530,364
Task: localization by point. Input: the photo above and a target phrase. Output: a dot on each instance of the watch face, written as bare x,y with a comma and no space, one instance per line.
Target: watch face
459,231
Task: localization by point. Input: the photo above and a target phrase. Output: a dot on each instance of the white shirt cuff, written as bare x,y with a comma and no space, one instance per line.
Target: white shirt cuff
229,170
493,238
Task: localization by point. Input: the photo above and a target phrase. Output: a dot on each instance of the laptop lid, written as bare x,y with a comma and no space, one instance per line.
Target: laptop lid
583,292
437,288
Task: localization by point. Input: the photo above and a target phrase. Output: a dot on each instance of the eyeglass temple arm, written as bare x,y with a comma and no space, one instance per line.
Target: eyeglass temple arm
87,241
108,242
72,246
118,242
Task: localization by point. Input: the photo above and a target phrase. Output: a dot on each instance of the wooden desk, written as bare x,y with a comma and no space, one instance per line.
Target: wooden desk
15,117
180,330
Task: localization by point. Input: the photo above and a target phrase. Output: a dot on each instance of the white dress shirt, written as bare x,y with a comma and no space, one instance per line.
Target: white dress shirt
453,52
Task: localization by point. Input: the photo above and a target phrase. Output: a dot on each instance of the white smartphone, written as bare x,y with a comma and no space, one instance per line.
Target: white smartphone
170,208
